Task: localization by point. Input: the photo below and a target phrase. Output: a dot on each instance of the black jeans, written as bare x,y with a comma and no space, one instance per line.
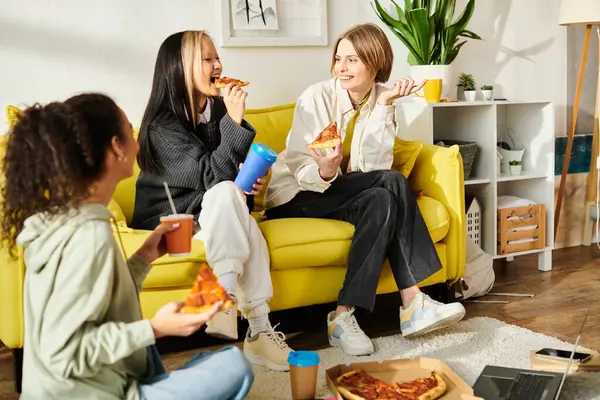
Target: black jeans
388,224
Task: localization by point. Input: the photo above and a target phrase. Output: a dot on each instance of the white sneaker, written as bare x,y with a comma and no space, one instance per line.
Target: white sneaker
343,331
425,315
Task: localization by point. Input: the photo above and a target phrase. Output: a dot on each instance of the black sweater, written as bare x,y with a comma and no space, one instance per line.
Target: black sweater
192,163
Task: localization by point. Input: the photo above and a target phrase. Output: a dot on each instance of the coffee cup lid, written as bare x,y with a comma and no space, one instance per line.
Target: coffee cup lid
303,358
265,152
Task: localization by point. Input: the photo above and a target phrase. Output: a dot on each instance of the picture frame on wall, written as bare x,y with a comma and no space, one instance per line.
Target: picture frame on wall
266,23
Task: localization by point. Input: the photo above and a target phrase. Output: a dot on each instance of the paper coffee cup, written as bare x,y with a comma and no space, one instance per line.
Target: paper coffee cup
304,368
179,241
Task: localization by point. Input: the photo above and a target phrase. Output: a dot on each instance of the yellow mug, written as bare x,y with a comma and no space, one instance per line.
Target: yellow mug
432,90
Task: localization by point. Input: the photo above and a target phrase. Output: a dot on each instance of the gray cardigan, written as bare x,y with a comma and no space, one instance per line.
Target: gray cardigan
192,161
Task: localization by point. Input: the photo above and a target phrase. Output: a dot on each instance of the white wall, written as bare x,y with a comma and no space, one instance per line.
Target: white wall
50,50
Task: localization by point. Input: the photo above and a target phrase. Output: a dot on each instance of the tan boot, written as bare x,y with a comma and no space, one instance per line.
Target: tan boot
223,325
268,348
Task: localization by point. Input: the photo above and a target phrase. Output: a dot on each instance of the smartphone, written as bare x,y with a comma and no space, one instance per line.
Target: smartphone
563,355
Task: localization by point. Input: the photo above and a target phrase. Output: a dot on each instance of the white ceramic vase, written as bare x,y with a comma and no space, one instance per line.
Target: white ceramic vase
443,72
470,95
488,95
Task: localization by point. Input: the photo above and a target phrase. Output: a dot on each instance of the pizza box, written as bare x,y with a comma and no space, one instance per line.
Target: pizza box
405,370
545,364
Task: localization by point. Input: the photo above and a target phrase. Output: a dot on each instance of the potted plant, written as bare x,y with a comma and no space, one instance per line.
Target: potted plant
487,91
515,167
467,83
431,34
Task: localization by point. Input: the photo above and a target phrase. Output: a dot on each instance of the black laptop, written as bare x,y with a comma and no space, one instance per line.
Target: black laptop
501,383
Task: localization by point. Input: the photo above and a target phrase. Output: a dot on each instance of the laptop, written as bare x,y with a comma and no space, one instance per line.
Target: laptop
501,383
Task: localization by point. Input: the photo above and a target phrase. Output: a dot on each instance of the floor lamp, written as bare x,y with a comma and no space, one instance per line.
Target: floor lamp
580,13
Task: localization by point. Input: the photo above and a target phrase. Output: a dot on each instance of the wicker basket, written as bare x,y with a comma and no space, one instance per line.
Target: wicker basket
468,152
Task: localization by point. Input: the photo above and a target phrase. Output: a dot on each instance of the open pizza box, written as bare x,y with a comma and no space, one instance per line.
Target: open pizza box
403,370
546,364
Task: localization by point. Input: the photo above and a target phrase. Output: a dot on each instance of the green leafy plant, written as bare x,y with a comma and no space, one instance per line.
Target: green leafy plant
514,162
466,81
487,87
428,29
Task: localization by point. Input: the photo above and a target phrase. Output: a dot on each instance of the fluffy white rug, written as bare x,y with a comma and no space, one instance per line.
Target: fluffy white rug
467,348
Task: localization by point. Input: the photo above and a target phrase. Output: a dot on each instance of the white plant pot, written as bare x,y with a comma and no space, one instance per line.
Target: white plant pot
488,95
443,72
515,169
510,155
470,95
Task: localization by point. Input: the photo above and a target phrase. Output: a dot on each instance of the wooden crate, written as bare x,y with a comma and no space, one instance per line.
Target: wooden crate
525,216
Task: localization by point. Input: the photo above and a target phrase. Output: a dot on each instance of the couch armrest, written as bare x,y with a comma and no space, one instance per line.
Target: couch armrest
438,171
12,277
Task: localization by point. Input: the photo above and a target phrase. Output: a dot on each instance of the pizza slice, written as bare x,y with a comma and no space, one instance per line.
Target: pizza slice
330,137
429,388
359,385
206,292
221,82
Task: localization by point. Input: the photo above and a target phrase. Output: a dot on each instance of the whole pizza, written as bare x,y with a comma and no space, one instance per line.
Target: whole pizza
359,385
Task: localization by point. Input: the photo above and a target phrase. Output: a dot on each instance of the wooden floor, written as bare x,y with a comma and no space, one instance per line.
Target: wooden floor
562,297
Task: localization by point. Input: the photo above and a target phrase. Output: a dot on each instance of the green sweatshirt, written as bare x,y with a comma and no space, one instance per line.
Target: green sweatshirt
84,333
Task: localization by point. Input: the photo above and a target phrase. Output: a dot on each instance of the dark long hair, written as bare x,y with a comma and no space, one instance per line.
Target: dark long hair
172,94
53,155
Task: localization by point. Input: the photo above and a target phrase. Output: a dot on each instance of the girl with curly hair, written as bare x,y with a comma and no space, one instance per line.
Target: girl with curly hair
85,336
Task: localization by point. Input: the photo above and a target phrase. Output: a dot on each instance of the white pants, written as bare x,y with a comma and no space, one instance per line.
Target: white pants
234,243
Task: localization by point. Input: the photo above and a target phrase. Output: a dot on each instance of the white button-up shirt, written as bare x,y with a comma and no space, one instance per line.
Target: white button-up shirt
321,104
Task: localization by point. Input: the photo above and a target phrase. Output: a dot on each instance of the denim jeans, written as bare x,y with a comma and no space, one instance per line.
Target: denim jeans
219,375
387,224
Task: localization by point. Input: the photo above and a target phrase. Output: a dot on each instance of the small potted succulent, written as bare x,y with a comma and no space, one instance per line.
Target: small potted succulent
467,83
515,167
487,91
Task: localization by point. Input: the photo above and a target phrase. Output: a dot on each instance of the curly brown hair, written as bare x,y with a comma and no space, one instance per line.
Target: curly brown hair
53,155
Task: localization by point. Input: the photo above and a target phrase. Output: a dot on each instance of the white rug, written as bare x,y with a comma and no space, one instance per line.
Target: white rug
467,347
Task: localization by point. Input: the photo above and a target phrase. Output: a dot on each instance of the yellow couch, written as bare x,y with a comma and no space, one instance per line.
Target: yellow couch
308,256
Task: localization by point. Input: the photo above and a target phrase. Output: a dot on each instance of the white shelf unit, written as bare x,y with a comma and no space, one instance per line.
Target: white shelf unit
487,122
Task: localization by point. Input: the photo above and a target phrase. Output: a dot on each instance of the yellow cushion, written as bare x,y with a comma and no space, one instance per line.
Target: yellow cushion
167,271
272,127
436,217
405,155
307,242
307,286
13,115
310,242
116,210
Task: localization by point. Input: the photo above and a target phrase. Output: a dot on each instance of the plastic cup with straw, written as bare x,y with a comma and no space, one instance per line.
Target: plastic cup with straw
179,241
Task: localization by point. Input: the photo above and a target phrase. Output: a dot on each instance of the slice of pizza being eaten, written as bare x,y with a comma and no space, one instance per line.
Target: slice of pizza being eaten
330,137
206,292
221,82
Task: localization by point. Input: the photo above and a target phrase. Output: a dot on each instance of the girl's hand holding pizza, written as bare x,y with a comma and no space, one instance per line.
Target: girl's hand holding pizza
235,101
329,164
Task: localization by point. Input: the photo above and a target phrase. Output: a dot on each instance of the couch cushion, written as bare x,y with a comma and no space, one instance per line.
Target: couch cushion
293,243
405,155
436,217
309,242
166,271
